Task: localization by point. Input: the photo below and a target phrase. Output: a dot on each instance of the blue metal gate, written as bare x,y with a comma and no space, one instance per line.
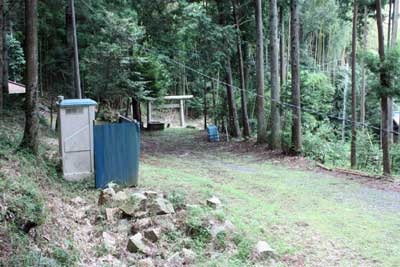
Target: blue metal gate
116,153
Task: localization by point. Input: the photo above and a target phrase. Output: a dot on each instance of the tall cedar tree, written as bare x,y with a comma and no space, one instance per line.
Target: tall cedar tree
353,155
282,48
393,40
275,85
2,65
70,47
295,64
261,127
76,70
30,140
245,116
395,26
4,52
363,69
384,82
395,23
233,118
233,122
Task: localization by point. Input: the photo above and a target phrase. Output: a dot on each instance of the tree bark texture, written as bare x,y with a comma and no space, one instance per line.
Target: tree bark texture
295,64
261,126
2,65
363,69
384,98
30,140
245,116
275,85
353,153
234,128
282,49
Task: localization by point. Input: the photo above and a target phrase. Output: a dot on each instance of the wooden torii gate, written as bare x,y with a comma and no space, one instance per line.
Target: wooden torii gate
181,106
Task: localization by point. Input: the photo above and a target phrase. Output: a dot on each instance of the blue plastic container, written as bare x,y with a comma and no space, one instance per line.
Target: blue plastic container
213,134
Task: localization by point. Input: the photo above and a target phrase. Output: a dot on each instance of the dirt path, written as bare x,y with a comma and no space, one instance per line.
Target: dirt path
311,217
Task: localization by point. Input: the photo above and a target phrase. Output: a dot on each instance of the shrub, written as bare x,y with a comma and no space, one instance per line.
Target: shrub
369,155
196,226
24,204
178,199
323,145
395,154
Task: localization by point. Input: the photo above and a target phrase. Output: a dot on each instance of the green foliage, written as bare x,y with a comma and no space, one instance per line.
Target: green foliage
220,240
317,91
178,199
66,257
369,155
20,176
390,66
17,60
110,60
196,226
24,203
395,157
23,255
321,143
244,247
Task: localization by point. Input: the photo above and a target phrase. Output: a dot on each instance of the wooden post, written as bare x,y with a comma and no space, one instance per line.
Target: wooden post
182,112
148,113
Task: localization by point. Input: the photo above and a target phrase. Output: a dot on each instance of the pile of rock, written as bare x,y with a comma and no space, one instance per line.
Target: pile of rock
149,215
142,218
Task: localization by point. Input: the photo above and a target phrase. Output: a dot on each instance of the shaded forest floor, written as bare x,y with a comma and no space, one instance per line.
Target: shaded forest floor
309,216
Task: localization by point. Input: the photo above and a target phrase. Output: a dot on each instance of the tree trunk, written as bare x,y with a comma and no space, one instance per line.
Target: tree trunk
295,61
245,117
2,65
136,115
384,99
205,108
353,155
128,107
72,42
395,23
5,52
261,127
70,47
233,118
390,44
275,85
282,49
363,70
30,140
346,86
215,87
390,17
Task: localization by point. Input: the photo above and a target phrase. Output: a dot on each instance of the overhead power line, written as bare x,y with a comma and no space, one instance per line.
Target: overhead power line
281,103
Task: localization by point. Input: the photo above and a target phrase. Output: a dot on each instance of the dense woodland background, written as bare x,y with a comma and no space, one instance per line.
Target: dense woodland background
251,65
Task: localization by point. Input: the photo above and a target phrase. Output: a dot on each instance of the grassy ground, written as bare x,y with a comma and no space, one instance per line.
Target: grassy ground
32,191
311,218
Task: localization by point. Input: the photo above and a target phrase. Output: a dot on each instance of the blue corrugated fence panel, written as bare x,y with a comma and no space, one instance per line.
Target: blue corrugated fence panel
117,151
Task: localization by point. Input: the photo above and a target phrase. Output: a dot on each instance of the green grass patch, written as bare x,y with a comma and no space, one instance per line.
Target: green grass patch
261,197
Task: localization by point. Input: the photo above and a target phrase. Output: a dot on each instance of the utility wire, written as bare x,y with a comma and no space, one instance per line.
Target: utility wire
281,103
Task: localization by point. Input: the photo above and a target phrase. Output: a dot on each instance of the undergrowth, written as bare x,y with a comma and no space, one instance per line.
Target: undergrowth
22,177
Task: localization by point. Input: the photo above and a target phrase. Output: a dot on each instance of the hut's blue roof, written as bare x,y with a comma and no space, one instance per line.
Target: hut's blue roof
77,102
